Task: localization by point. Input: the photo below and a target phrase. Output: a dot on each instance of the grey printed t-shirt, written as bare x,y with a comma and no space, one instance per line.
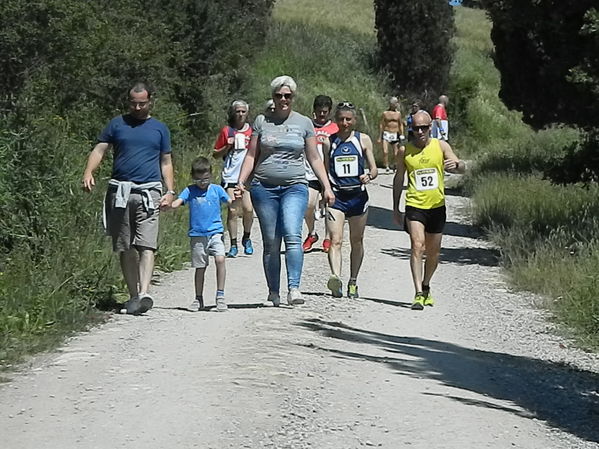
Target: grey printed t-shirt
282,146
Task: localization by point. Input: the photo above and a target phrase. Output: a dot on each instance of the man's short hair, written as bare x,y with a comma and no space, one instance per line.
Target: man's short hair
322,101
200,166
140,87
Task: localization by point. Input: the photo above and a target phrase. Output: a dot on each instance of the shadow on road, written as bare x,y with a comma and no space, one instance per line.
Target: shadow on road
382,218
563,396
488,257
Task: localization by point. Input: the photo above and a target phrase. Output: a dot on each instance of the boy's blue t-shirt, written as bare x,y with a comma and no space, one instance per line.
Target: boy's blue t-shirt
204,209
138,145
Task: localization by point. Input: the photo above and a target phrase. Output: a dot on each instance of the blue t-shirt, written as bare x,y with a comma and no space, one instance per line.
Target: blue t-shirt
138,145
204,209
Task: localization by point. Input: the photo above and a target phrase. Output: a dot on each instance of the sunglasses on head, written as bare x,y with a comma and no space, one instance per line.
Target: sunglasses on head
421,128
278,96
345,104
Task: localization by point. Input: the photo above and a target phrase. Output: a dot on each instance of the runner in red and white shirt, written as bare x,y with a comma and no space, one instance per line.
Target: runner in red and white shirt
440,129
324,127
231,144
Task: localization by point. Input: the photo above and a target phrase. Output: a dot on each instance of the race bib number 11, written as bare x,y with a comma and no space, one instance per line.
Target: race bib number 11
426,179
346,166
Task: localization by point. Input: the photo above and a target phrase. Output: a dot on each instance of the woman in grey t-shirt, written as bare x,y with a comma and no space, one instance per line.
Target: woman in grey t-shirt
280,142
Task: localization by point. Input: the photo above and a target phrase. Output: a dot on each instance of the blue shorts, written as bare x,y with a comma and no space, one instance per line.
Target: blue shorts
351,204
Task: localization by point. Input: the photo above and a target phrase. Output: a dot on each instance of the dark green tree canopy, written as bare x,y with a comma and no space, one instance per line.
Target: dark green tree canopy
414,42
547,52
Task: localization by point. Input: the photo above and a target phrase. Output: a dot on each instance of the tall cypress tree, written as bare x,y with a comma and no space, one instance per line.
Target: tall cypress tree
414,44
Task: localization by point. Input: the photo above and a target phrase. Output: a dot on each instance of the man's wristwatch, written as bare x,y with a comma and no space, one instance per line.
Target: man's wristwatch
172,192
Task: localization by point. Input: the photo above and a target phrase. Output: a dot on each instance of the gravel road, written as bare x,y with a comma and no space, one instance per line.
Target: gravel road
485,367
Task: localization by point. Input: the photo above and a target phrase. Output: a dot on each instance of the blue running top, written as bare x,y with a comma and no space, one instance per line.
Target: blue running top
346,163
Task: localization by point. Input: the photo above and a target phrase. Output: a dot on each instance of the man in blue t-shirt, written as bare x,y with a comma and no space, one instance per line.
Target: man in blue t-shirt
142,162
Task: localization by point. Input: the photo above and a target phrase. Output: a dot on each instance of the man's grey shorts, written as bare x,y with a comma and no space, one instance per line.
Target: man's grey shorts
202,247
133,225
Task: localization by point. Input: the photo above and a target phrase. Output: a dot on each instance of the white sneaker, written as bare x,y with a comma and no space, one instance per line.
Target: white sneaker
294,297
145,303
221,305
274,298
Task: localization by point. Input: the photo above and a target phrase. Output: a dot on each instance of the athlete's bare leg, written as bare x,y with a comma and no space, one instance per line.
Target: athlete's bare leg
433,249
309,215
418,246
248,212
356,238
335,222
386,154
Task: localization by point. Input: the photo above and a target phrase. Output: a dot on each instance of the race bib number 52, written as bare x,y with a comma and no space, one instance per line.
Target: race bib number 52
426,179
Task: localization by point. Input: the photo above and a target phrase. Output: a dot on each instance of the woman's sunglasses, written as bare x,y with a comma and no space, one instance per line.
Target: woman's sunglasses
278,96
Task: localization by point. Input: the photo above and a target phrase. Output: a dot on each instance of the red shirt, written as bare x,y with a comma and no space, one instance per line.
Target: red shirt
439,112
227,132
325,131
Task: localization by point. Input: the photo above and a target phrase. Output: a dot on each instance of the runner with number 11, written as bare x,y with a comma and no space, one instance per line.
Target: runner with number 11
346,154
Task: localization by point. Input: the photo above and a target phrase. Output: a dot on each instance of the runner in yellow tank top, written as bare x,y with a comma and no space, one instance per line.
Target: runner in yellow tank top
424,159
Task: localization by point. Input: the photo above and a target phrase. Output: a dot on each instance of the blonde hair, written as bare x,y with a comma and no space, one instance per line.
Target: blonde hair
283,80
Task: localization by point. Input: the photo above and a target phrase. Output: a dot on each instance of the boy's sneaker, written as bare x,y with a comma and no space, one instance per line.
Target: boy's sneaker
352,291
418,303
233,251
428,299
131,306
221,305
247,247
196,305
335,286
274,298
294,297
145,303
310,240
326,245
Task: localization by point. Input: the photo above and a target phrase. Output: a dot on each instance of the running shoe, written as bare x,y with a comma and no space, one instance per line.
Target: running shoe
247,247
418,303
196,305
221,305
335,286
326,245
428,299
233,251
145,303
294,297
310,240
274,298
131,306
352,291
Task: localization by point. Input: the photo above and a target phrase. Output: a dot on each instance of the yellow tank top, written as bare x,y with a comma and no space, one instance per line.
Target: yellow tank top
425,175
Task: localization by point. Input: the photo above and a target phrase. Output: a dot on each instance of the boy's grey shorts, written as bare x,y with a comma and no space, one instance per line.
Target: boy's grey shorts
202,247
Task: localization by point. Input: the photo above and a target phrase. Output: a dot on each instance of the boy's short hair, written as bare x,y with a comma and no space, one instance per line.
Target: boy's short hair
200,166
322,101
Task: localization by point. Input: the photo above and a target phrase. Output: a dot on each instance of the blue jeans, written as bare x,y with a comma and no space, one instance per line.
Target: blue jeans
280,211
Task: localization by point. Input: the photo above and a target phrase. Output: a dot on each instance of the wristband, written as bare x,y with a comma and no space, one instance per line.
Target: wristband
172,192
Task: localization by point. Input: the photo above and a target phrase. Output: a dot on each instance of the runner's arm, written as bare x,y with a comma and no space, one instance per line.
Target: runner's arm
247,165
451,162
400,170
93,162
381,128
369,155
318,168
168,176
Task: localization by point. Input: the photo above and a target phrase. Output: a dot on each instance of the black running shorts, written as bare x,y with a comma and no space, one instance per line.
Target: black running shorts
432,219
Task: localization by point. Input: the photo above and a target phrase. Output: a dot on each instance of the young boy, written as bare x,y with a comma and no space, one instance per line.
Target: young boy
205,229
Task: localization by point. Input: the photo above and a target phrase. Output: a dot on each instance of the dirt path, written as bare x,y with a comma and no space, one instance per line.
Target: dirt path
480,369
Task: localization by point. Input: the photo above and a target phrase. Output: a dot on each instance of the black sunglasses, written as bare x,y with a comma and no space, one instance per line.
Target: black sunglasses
345,104
285,96
421,128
